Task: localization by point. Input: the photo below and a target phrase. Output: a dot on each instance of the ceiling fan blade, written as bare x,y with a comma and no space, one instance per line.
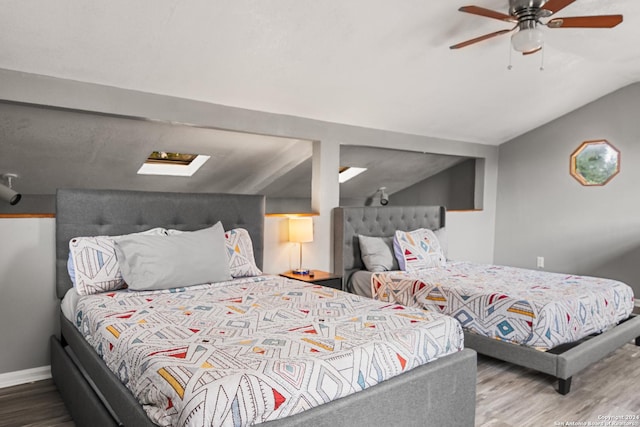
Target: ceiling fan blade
554,6
476,10
599,21
481,38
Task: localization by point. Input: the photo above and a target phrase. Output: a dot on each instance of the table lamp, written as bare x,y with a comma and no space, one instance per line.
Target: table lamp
301,231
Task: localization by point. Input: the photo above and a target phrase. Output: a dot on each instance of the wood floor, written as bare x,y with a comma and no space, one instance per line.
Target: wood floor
507,396
35,404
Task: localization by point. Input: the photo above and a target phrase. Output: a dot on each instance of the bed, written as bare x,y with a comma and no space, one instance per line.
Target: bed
561,356
441,392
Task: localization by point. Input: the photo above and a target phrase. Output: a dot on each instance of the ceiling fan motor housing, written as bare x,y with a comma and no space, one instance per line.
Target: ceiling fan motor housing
528,10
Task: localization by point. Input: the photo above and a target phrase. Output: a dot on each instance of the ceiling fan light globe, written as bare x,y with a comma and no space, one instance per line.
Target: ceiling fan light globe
527,40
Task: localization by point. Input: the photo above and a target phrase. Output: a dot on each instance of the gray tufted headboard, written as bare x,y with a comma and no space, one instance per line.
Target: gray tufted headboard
114,212
349,222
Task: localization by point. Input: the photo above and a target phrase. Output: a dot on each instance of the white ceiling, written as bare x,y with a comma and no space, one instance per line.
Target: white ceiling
379,64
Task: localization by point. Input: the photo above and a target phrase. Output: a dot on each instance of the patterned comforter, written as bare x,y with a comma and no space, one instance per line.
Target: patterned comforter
529,307
255,349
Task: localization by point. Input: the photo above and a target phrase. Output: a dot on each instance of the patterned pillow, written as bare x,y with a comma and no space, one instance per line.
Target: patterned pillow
240,250
94,263
418,249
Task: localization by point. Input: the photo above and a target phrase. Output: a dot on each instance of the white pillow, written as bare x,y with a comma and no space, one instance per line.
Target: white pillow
417,250
377,253
92,264
441,235
71,269
177,260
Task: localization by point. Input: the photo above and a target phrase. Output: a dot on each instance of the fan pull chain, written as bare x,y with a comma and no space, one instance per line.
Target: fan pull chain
510,67
542,58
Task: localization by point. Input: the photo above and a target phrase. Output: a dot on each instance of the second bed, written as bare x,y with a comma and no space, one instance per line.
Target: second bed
554,323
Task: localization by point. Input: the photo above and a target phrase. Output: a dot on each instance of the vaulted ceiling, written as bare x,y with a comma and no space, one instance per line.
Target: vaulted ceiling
60,148
378,64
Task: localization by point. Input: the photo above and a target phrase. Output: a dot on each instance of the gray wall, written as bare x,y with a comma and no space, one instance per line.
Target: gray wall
31,204
543,211
292,204
453,188
470,234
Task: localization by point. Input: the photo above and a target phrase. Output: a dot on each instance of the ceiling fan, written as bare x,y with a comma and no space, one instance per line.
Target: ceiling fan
527,15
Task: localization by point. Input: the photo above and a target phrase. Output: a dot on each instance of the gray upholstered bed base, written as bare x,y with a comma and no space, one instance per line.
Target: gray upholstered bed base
562,362
440,393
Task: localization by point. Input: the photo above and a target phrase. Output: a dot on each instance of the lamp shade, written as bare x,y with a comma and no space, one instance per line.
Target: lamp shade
527,40
301,230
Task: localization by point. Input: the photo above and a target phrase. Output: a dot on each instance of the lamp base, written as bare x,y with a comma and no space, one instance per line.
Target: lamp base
300,271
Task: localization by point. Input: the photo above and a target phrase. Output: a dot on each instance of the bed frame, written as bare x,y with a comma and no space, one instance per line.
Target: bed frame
440,393
561,362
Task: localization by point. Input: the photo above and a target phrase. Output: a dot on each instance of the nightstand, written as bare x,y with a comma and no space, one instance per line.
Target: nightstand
317,277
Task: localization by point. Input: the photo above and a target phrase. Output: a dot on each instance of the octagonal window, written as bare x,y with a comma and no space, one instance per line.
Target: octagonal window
595,162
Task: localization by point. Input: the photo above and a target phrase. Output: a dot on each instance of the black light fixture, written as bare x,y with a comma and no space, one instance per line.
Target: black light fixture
380,192
384,197
6,191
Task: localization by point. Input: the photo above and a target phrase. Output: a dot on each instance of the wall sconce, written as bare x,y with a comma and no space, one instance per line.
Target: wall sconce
301,231
6,191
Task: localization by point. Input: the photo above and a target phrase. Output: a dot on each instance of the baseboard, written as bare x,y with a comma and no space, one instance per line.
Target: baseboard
25,376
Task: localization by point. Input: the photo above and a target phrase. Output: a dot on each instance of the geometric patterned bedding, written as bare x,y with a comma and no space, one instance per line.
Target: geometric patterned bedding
529,307
255,349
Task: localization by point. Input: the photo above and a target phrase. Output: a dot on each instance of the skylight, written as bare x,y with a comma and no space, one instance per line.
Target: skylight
348,172
173,164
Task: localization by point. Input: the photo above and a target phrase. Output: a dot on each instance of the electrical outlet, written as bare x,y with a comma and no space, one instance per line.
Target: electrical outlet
540,262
